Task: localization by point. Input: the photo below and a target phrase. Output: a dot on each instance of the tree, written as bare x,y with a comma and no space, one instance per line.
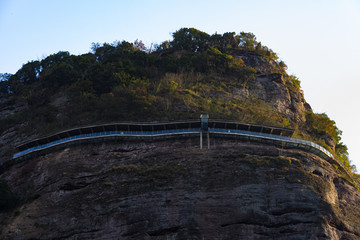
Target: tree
247,41
29,72
94,47
283,65
4,83
321,124
190,39
342,150
139,45
230,40
104,51
59,75
125,46
226,41
259,48
54,59
216,41
5,76
295,80
164,45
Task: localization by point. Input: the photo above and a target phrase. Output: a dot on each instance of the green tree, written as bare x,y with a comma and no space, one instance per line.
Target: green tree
102,52
29,73
59,75
190,39
5,88
342,151
4,83
321,124
247,41
283,65
230,40
55,59
94,47
163,46
5,77
295,80
139,45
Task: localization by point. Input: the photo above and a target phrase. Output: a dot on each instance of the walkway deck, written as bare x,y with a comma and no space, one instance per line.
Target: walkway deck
154,131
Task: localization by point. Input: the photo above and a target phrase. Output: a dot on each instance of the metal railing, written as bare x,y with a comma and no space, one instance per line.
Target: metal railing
104,135
280,139
214,132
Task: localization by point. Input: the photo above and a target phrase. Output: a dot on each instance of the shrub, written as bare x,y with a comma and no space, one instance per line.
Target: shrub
283,65
320,124
295,81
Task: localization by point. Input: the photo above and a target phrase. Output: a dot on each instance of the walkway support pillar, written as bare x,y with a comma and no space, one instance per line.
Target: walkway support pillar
208,139
204,119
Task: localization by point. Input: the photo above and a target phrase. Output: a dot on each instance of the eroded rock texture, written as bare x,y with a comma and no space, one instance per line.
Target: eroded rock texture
173,190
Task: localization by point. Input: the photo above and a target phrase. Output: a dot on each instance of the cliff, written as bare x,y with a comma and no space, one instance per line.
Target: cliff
170,189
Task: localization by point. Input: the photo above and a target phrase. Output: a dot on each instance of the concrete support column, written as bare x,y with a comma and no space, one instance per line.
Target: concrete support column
208,140
204,119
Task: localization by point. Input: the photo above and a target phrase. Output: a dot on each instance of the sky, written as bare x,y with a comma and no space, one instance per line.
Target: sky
317,39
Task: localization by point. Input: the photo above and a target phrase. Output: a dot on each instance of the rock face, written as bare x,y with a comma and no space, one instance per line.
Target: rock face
272,86
173,190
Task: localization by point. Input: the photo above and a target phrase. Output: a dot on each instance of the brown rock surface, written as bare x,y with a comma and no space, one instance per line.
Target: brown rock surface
173,190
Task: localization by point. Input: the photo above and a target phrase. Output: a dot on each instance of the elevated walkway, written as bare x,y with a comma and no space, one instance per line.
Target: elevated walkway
280,137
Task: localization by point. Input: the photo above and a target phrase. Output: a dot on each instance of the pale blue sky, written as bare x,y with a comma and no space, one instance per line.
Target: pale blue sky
318,39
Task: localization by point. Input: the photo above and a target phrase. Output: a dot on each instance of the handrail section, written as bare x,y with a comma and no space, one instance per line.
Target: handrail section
284,141
104,135
80,137
295,142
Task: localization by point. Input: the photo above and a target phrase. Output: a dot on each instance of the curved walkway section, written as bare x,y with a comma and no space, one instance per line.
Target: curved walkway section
152,131
116,128
108,135
282,141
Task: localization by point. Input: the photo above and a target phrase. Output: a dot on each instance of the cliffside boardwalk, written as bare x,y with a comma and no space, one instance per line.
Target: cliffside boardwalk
161,131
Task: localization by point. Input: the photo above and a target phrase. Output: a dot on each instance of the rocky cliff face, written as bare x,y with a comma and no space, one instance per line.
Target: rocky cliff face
173,190
272,86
